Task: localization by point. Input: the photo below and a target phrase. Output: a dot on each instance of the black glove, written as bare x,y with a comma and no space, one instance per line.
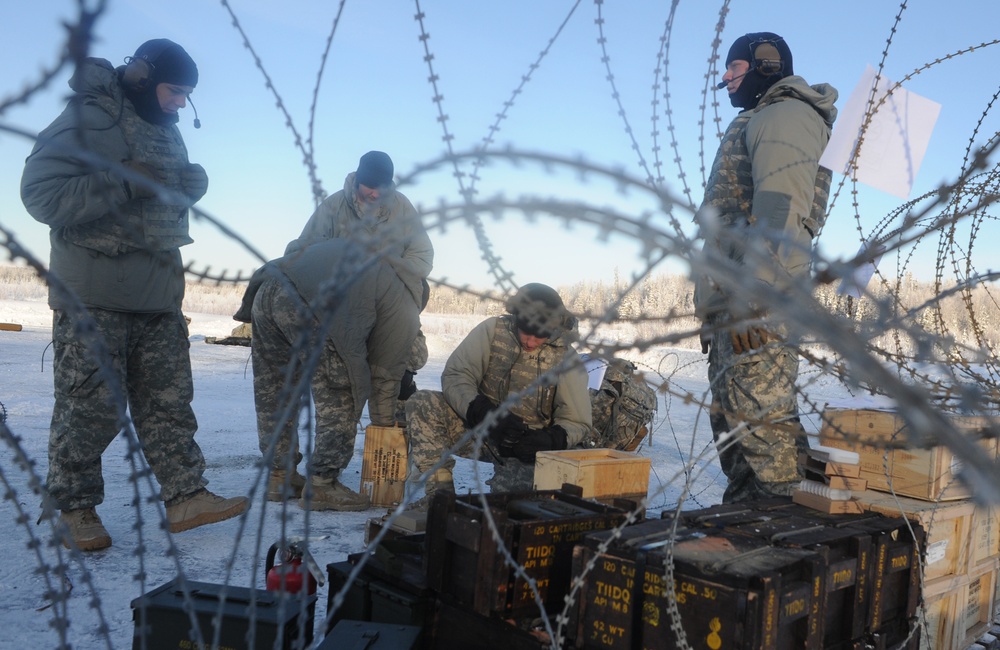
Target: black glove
194,181
407,386
547,439
478,408
706,341
749,339
142,189
505,433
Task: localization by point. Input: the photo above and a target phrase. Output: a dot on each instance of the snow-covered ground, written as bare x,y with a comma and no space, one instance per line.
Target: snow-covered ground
100,586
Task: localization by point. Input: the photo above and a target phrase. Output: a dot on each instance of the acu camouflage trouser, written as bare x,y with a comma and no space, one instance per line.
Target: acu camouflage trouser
281,338
433,427
757,389
149,354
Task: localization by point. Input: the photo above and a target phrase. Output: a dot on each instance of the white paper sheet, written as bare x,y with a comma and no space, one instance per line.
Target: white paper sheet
895,141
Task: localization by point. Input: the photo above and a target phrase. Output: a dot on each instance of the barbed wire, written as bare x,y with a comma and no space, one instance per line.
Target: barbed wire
886,342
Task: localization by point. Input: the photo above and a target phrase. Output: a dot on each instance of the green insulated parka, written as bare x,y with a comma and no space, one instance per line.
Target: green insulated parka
394,229
364,306
113,251
766,187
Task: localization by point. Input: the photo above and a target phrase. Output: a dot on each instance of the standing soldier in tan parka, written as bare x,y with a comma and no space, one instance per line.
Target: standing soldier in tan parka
767,189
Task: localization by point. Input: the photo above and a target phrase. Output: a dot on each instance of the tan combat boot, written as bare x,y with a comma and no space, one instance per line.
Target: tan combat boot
423,504
279,490
85,529
331,494
202,508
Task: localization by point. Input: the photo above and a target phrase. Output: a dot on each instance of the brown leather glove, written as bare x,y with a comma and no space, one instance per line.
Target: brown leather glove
750,339
147,187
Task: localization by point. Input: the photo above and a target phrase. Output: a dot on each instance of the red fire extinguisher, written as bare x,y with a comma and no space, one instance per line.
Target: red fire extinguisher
289,575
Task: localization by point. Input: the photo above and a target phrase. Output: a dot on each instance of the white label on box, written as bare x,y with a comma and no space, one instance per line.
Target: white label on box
936,551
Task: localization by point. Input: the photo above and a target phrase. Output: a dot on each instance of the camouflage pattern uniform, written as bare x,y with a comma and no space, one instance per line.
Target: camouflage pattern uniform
369,324
491,361
117,254
150,358
276,326
766,179
756,387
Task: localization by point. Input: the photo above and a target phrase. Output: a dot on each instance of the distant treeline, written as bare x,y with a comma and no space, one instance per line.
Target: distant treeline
659,304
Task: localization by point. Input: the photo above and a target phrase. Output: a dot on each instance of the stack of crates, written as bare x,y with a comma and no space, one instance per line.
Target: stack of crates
481,574
469,539
772,574
961,553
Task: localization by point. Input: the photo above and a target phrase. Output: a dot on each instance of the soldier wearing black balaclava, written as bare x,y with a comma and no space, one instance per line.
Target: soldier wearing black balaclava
111,178
765,201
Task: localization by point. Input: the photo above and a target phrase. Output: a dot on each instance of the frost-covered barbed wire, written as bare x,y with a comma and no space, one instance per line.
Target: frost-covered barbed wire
889,341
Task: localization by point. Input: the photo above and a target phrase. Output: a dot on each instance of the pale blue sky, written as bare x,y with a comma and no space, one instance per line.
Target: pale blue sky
375,94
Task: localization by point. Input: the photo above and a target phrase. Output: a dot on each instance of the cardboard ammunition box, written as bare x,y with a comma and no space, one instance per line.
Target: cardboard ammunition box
601,473
947,528
272,619
383,465
730,591
890,463
371,636
468,545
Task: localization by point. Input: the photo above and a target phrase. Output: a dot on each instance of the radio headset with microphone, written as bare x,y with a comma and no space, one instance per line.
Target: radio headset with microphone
139,70
197,122
765,59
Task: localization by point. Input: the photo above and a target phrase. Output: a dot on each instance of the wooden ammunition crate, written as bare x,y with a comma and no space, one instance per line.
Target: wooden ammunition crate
984,547
959,610
271,618
893,579
889,463
601,473
976,606
940,616
732,591
383,465
846,553
860,605
539,529
459,628
947,529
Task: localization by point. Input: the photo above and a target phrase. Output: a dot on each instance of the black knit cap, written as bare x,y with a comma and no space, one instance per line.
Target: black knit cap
171,63
771,60
538,310
374,170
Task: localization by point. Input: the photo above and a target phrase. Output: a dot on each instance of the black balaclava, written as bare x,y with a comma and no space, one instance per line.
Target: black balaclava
759,50
169,63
